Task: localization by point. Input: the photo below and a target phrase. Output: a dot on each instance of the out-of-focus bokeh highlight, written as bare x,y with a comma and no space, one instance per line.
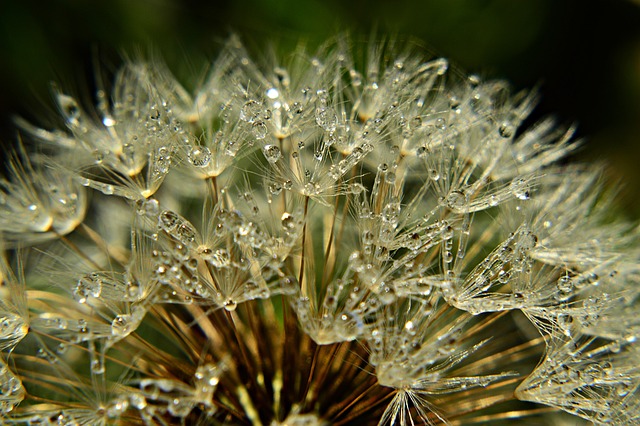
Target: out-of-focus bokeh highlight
583,54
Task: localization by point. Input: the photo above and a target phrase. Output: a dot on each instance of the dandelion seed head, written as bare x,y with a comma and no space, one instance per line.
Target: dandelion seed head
349,236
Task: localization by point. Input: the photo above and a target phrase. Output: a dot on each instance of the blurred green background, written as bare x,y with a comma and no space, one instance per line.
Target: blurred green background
584,55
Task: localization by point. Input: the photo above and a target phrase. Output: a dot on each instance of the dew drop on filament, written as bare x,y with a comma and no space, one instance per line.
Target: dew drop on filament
199,156
520,189
506,130
259,130
271,153
272,93
70,109
230,305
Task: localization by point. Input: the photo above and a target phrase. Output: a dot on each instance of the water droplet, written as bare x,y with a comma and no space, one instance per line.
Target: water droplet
413,242
592,373
121,325
348,326
12,326
275,188
288,221
390,213
410,328
162,160
108,189
137,400
311,188
61,348
230,305
355,188
259,130
149,208
185,233
133,290
61,323
447,256
326,118
382,253
11,391
564,284
456,200
330,302
386,294
88,286
434,175
447,231
520,189
250,110
97,367
482,283
503,276
297,107
199,156
192,264
117,407
615,346
390,178
108,121
82,326
622,389
207,376
69,108
271,153
367,237
220,258
527,240
377,124
272,93
168,220
322,94
506,129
